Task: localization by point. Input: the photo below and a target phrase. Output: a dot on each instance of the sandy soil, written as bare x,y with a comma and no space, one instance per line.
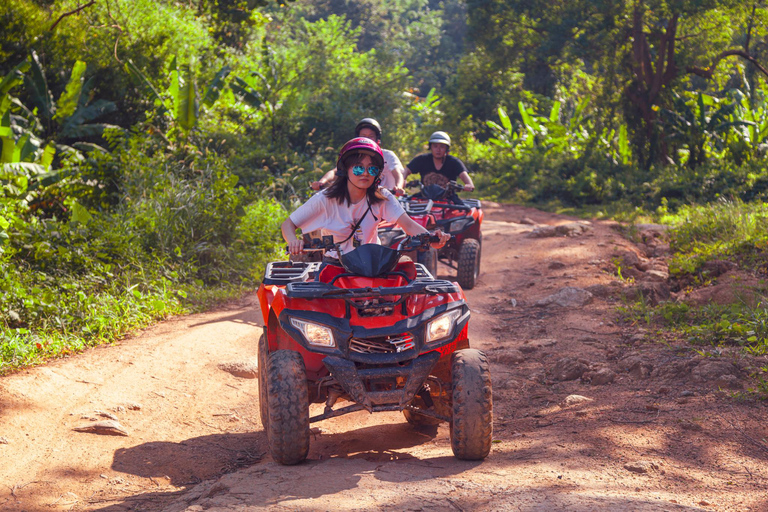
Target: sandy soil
659,426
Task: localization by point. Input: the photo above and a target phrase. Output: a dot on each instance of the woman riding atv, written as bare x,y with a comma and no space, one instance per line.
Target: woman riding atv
353,206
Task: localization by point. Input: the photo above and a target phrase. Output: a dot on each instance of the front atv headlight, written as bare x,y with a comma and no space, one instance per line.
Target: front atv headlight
460,225
442,326
315,334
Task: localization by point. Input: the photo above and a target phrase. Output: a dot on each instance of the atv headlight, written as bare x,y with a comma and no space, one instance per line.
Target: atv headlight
315,334
442,326
460,225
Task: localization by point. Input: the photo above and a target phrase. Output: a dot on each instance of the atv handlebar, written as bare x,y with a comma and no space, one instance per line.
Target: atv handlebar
420,242
452,185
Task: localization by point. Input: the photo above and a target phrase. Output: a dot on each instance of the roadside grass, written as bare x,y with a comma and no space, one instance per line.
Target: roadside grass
60,297
726,230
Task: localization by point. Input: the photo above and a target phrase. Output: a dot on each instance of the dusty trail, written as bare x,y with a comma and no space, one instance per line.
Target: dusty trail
657,435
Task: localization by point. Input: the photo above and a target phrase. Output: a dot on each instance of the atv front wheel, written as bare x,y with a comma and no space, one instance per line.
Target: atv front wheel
469,263
429,260
472,418
288,400
262,357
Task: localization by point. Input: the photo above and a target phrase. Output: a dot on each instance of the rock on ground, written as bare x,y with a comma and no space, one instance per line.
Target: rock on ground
568,297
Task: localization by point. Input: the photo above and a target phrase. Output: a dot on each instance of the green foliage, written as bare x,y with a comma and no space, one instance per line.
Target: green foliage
702,125
150,149
723,230
739,324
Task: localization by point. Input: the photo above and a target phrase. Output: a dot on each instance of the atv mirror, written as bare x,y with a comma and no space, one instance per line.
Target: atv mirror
370,260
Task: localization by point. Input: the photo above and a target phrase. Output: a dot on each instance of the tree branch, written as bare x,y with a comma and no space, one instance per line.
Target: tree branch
749,28
665,64
70,13
708,71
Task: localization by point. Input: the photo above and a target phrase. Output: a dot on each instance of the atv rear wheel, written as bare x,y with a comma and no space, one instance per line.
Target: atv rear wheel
262,357
416,419
287,397
429,260
469,263
472,418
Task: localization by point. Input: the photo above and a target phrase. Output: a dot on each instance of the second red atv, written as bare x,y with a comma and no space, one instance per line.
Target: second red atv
436,207
379,333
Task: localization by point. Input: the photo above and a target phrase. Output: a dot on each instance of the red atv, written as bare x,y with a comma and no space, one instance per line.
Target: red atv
433,208
377,332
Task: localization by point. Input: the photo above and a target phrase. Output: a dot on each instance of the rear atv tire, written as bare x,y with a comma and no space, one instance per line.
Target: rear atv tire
262,357
288,401
469,263
429,260
472,418
419,420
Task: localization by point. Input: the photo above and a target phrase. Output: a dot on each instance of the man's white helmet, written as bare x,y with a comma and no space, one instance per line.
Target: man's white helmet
440,138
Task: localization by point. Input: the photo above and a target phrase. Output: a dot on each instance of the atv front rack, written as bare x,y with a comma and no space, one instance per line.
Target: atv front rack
472,203
318,290
417,208
283,272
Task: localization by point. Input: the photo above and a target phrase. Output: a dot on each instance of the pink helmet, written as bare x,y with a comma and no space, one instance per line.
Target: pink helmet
361,145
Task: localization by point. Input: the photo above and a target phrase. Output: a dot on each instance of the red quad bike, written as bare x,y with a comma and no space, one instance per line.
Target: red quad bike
432,208
379,333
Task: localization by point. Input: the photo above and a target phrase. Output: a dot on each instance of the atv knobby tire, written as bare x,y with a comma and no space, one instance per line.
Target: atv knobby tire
262,357
472,418
416,419
469,263
429,260
287,397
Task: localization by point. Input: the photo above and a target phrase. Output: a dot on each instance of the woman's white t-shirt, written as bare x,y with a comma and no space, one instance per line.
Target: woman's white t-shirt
338,218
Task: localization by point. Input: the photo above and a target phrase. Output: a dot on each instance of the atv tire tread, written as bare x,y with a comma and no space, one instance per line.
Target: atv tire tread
468,266
472,418
429,260
287,397
262,358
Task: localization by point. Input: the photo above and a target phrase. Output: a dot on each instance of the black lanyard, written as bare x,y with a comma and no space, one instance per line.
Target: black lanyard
357,224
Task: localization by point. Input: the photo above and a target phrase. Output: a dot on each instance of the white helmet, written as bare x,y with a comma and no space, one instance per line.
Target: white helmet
440,138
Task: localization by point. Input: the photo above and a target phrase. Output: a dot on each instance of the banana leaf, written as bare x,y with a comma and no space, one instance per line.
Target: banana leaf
215,86
187,108
69,99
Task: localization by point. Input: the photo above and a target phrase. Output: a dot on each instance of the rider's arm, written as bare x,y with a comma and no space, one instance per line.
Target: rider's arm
468,185
411,227
324,181
288,229
406,172
399,182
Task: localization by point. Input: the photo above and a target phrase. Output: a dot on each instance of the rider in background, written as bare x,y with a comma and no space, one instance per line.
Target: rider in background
438,167
392,173
353,206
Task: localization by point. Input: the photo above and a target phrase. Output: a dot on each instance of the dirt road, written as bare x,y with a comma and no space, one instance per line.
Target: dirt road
589,413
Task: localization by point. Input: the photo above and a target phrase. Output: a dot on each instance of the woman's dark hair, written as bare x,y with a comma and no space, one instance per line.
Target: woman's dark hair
338,189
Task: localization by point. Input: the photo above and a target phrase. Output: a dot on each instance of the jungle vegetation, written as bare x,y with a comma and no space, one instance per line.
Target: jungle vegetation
151,148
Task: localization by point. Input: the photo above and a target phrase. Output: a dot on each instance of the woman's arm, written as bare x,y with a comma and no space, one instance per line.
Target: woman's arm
288,228
411,227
